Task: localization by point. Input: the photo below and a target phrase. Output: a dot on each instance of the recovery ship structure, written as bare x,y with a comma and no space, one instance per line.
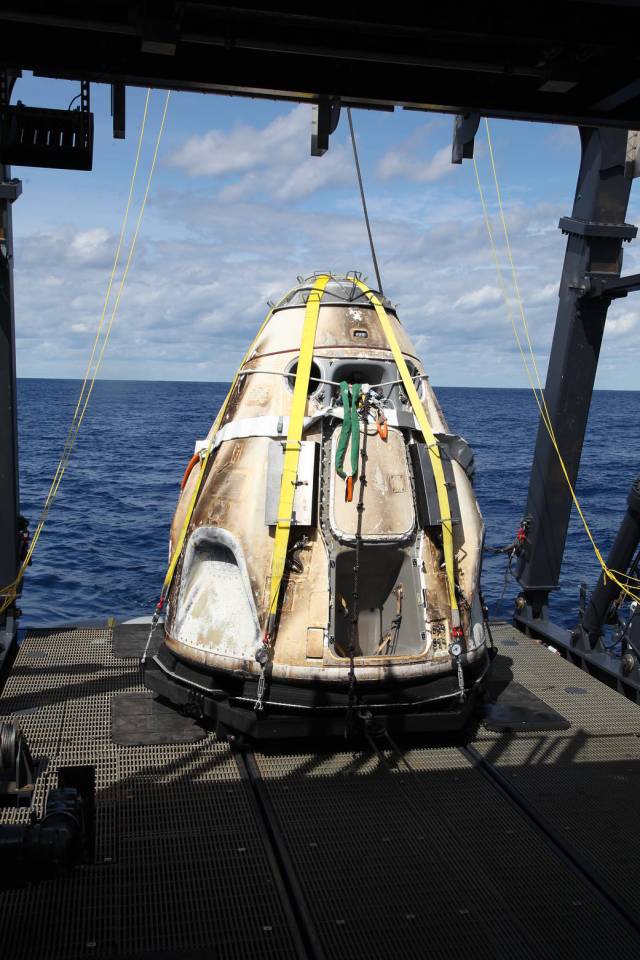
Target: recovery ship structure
132,829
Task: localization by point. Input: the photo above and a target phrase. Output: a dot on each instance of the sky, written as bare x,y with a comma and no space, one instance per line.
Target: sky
238,209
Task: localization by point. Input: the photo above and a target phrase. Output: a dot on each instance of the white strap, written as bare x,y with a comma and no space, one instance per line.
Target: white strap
275,427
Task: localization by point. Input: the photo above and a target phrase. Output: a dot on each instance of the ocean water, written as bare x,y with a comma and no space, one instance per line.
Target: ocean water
104,549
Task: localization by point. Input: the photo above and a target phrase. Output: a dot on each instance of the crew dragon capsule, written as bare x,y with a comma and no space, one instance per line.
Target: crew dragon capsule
326,546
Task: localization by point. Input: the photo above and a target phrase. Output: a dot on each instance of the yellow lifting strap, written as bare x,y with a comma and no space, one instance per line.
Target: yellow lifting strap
292,449
431,442
203,463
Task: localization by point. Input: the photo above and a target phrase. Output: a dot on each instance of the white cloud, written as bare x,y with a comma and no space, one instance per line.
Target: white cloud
546,294
204,269
403,163
483,297
314,174
220,152
622,325
191,305
90,246
272,161
65,246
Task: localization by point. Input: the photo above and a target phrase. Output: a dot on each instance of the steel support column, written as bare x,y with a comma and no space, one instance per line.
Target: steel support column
596,231
620,557
9,491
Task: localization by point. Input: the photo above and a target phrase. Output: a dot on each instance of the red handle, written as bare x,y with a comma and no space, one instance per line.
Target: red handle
194,459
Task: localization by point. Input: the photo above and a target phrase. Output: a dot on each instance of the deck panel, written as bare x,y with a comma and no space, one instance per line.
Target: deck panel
179,857
407,859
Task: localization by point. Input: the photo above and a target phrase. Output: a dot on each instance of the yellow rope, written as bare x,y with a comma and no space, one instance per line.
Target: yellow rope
9,592
132,246
116,258
538,393
613,574
77,416
68,444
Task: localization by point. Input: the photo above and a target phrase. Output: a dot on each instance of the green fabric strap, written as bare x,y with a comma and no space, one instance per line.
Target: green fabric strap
350,428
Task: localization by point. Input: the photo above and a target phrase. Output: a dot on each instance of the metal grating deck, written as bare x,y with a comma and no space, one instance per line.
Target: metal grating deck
180,863
334,853
585,781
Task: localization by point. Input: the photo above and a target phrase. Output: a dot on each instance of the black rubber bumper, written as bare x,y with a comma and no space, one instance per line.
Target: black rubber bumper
292,710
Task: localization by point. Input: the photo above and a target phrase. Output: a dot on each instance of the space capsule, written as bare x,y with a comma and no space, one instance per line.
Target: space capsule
326,546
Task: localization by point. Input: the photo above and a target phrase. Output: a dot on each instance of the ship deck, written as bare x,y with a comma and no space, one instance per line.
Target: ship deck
507,843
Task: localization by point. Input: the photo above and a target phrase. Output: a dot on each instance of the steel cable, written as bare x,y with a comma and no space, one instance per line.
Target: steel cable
363,199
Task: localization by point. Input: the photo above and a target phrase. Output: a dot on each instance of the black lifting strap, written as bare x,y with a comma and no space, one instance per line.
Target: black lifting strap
353,640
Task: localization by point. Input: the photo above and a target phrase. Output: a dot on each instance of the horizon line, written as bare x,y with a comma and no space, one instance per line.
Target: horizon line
442,386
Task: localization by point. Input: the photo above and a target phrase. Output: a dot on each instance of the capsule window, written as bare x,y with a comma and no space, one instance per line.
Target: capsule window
418,382
315,382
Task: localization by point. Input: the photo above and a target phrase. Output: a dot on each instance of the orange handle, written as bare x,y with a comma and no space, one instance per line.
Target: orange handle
383,427
194,459
348,490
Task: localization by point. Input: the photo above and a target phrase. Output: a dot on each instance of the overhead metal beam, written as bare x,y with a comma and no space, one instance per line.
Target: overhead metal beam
616,99
536,69
119,110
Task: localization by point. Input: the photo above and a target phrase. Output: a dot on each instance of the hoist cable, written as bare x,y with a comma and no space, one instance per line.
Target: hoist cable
9,592
363,199
353,640
538,393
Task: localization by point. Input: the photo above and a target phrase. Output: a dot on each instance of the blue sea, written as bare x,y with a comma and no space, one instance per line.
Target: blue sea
104,549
